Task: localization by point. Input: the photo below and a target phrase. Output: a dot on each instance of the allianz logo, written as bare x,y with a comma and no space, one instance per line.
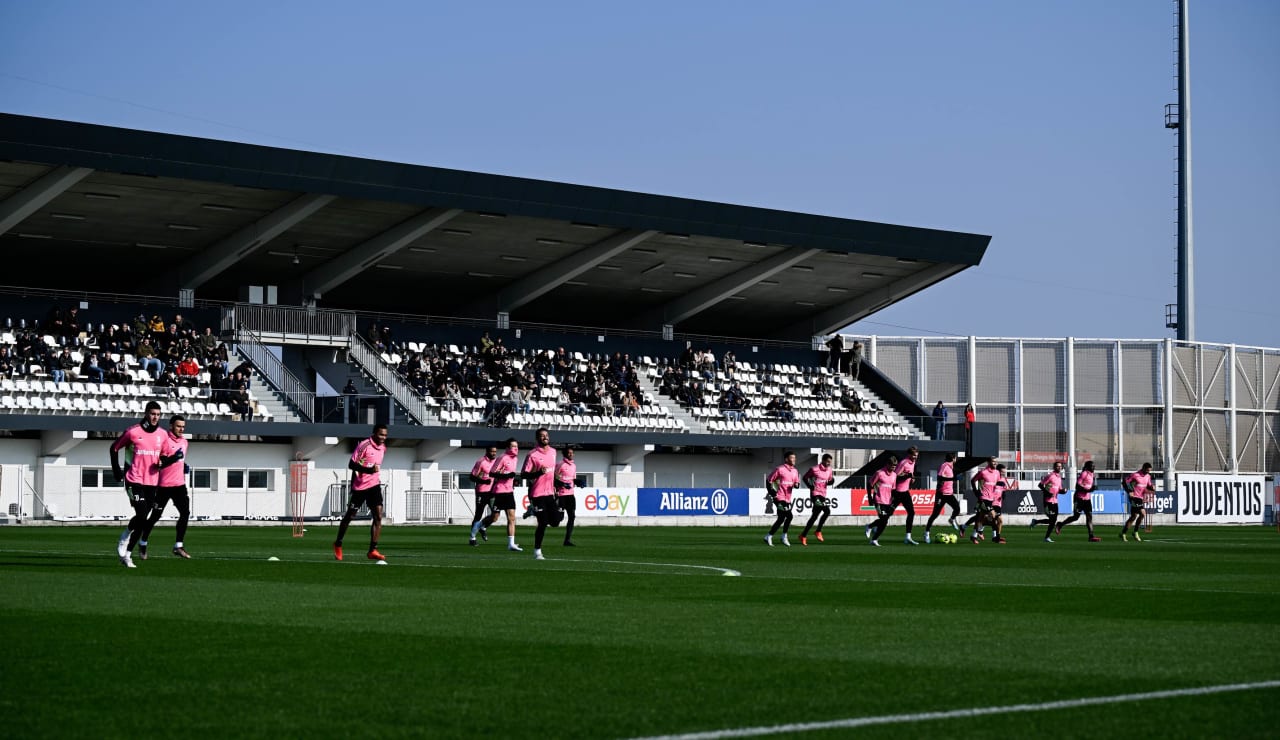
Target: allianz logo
717,502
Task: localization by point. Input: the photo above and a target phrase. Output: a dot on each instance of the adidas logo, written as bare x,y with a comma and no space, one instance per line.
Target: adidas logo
1027,506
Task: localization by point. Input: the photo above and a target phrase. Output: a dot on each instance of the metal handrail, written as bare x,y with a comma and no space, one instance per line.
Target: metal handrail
250,345
290,320
404,394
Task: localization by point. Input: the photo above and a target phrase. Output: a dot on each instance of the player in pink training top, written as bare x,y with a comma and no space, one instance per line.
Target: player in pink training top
1050,486
881,491
539,471
1136,485
366,490
566,475
484,495
986,483
817,479
905,474
173,486
1081,504
780,483
504,472
144,439
945,496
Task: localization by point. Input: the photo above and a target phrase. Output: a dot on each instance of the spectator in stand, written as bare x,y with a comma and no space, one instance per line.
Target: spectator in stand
851,400
148,360
519,399
604,401
780,408
939,420
156,326
821,388
730,363
208,342
835,352
968,428
452,396
726,407
7,368
91,369
188,371
855,360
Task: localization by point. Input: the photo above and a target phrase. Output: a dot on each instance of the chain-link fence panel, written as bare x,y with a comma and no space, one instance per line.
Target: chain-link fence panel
997,372
1186,439
1214,373
1095,373
1249,438
1217,443
1096,438
1186,376
1044,372
897,359
1044,435
1143,434
1141,373
1248,379
946,371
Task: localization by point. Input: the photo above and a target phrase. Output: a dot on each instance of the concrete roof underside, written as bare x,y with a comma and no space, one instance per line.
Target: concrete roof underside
82,204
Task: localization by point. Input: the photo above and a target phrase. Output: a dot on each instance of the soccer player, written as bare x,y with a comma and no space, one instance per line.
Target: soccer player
539,471
987,483
881,491
817,479
484,495
173,486
944,496
780,483
1051,486
144,439
503,472
1136,485
566,474
1081,504
366,489
905,475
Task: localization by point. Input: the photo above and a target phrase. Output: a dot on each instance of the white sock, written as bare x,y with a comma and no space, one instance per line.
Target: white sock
142,543
177,545
538,551
511,540
124,536
768,538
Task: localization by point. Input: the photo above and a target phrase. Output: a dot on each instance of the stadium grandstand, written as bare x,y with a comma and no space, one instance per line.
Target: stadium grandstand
285,300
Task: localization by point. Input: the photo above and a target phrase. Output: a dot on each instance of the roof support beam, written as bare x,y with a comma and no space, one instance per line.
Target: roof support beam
839,316
552,276
214,260
16,208
347,265
709,295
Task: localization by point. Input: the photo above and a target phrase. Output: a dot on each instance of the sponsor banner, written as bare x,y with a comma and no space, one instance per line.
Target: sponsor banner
692,501
921,501
1221,499
593,502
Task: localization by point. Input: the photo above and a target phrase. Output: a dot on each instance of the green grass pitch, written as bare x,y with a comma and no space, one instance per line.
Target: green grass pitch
636,632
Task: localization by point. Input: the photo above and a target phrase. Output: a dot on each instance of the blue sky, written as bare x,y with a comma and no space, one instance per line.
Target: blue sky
1039,123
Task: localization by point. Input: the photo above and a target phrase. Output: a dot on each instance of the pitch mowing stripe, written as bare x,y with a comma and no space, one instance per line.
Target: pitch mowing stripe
892,719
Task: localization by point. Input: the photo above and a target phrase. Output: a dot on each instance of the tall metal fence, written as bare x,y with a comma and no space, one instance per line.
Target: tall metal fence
249,344
1184,406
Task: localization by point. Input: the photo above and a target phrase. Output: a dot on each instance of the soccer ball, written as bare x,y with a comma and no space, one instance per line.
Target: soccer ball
947,538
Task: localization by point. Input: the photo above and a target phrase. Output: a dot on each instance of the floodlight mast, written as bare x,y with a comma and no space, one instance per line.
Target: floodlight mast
1178,117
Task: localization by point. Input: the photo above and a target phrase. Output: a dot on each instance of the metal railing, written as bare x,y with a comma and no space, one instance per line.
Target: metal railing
403,393
289,320
250,345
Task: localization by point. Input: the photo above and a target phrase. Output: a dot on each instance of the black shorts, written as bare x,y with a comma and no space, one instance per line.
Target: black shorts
782,506
886,510
176,494
820,503
1082,505
484,499
139,494
504,501
985,506
946,499
547,510
902,498
371,497
1051,507
1136,503
567,502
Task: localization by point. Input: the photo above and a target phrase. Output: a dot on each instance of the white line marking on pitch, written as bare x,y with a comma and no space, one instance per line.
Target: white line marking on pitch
891,719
